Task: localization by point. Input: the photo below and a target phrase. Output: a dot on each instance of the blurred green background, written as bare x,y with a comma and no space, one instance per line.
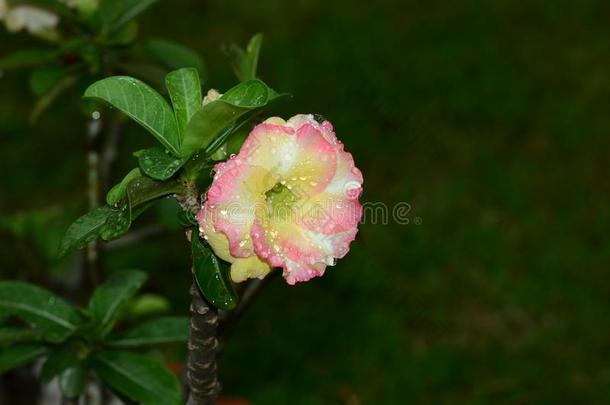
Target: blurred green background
489,118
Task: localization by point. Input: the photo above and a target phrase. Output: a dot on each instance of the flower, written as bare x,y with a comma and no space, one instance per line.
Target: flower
289,199
33,19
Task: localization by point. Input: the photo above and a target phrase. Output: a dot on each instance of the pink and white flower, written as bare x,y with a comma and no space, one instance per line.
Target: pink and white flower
289,199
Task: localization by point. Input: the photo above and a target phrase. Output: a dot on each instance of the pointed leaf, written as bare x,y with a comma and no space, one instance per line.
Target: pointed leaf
143,104
84,230
158,164
156,331
244,63
109,299
143,189
118,223
140,378
19,355
119,191
212,275
55,318
185,92
214,117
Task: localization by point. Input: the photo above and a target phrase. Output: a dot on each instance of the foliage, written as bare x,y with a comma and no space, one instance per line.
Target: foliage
90,41
74,341
189,133
77,341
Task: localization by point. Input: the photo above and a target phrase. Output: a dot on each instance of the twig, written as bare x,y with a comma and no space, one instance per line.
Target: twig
201,371
94,127
109,151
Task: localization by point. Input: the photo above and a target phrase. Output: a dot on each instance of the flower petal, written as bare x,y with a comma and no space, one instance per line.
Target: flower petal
249,267
314,165
233,198
270,146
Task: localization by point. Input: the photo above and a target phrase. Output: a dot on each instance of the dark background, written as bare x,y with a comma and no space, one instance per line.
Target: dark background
489,118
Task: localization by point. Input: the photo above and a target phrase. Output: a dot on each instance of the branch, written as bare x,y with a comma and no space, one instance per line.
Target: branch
201,371
94,127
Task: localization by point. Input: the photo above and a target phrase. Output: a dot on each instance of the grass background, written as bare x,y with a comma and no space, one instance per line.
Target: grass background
489,118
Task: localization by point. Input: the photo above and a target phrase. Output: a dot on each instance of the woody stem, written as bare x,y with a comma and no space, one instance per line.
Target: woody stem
201,373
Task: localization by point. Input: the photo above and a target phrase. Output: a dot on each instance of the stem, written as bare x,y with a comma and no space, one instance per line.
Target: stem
201,374
110,150
93,192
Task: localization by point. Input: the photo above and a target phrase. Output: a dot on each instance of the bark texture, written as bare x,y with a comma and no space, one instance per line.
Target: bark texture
201,372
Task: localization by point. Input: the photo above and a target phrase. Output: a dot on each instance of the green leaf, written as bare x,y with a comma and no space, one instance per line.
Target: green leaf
174,55
109,298
156,331
42,79
143,189
19,355
214,117
143,104
117,224
9,334
250,94
72,380
110,223
244,64
84,230
57,361
116,13
28,58
56,319
146,304
119,191
140,378
212,275
185,92
158,164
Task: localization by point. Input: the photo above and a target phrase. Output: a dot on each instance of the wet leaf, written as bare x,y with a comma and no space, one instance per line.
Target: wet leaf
212,275
185,92
158,164
143,104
